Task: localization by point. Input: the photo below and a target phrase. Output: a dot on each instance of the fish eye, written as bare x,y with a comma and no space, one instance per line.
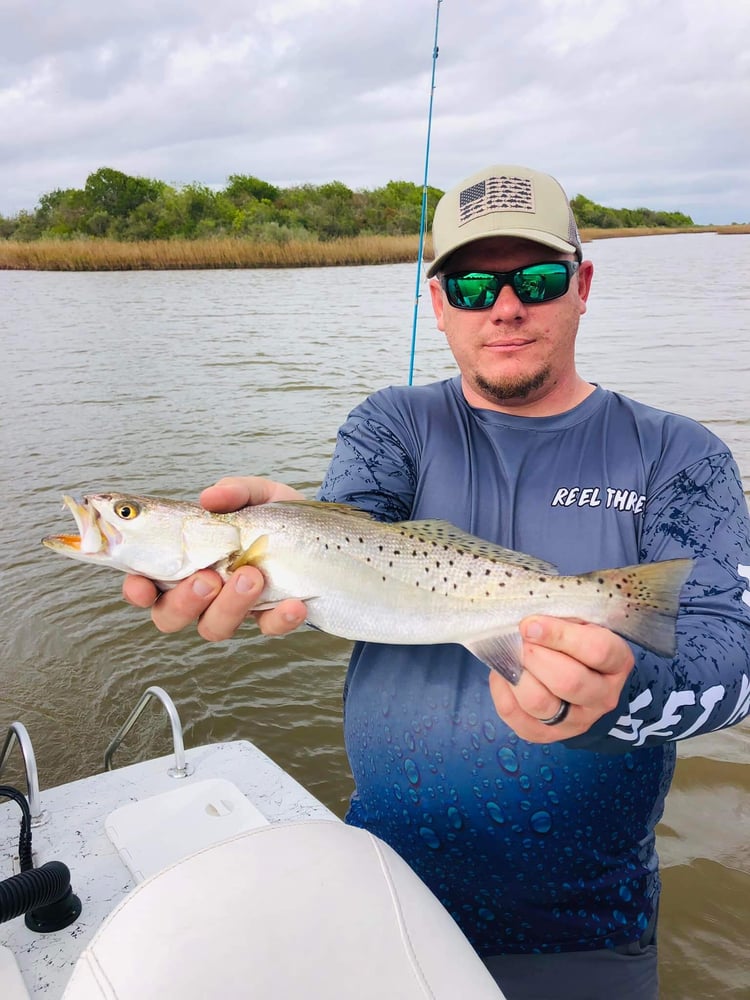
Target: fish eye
127,509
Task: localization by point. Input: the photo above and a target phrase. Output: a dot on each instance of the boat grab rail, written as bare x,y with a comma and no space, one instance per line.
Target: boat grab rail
19,734
181,768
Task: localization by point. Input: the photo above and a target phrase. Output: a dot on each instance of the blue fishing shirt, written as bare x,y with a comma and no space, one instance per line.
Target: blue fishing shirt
542,848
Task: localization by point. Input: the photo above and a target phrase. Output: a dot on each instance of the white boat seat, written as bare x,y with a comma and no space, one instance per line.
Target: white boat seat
313,909
11,984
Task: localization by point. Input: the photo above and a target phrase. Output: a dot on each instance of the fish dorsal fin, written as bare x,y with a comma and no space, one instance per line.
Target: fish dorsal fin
433,530
339,508
422,553
445,533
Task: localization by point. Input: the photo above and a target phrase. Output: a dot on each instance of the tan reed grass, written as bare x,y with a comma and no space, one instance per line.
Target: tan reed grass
113,255
603,234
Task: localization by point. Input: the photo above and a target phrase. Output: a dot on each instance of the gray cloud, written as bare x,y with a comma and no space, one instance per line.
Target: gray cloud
631,103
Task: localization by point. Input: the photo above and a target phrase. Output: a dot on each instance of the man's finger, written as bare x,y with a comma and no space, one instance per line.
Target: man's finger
231,605
177,608
285,617
139,591
235,492
595,647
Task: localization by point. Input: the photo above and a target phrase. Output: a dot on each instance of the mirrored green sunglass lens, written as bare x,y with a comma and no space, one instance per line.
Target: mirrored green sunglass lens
538,283
473,291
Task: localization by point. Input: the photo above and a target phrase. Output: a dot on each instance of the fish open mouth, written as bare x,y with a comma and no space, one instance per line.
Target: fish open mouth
93,537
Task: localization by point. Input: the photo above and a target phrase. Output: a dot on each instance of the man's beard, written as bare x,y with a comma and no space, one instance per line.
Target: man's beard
502,390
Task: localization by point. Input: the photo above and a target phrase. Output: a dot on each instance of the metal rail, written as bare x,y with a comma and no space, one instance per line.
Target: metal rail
181,768
18,734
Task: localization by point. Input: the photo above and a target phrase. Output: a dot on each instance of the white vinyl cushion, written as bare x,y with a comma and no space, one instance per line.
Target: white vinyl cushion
11,983
312,909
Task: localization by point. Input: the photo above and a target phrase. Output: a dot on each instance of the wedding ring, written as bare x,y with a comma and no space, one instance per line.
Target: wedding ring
559,715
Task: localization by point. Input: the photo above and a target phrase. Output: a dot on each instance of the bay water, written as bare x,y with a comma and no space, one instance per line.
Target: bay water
162,382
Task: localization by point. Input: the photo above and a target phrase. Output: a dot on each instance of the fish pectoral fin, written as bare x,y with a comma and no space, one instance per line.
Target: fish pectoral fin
250,556
501,653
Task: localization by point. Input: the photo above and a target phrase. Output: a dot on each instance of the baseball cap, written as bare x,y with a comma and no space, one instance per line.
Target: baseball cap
504,201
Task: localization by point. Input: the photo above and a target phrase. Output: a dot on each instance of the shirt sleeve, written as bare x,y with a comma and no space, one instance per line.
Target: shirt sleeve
373,467
700,513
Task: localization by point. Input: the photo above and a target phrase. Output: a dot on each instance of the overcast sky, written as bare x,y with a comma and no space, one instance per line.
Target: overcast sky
630,102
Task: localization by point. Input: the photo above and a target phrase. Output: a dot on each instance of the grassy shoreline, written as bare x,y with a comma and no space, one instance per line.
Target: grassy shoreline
112,255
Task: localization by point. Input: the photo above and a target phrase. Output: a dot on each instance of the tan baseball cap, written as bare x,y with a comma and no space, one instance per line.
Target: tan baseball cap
504,201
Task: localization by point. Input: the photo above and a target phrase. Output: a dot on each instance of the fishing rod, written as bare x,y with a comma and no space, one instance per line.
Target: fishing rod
423,219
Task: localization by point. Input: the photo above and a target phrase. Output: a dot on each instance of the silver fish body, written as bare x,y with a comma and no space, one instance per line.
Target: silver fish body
411,582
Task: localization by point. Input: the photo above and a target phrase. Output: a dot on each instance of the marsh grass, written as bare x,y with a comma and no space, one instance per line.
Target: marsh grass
168,255
604,234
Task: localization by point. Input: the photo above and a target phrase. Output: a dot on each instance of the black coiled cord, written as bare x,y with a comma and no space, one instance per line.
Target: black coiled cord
24,838
43,894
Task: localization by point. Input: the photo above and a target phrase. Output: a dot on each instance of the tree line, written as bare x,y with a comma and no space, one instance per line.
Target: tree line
117,206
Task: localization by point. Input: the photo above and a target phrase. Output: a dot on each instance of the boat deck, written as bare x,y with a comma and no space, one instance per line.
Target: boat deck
73,831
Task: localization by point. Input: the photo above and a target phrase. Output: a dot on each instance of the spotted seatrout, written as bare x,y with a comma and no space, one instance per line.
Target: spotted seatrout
410,582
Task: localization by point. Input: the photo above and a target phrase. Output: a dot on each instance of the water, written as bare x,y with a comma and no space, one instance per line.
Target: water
163,382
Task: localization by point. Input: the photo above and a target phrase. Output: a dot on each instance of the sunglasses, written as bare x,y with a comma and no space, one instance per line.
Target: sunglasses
532,284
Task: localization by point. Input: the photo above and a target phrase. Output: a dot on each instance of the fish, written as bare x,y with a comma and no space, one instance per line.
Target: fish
404,582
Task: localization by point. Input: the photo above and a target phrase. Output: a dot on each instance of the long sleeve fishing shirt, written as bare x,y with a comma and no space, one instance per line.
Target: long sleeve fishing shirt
542,848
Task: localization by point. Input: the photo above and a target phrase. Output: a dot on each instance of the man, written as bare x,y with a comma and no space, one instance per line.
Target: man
529,809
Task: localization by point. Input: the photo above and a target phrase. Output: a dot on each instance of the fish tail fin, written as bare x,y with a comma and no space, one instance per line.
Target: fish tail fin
644,601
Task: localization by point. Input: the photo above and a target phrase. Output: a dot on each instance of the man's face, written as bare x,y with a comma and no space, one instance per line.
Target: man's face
513,356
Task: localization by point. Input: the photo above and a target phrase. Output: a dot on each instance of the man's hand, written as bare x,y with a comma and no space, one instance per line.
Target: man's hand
219,609
585,665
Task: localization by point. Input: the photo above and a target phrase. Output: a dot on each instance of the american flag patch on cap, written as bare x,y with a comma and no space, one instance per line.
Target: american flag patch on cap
495,194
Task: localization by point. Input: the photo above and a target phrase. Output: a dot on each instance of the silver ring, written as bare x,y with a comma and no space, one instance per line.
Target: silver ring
559,715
